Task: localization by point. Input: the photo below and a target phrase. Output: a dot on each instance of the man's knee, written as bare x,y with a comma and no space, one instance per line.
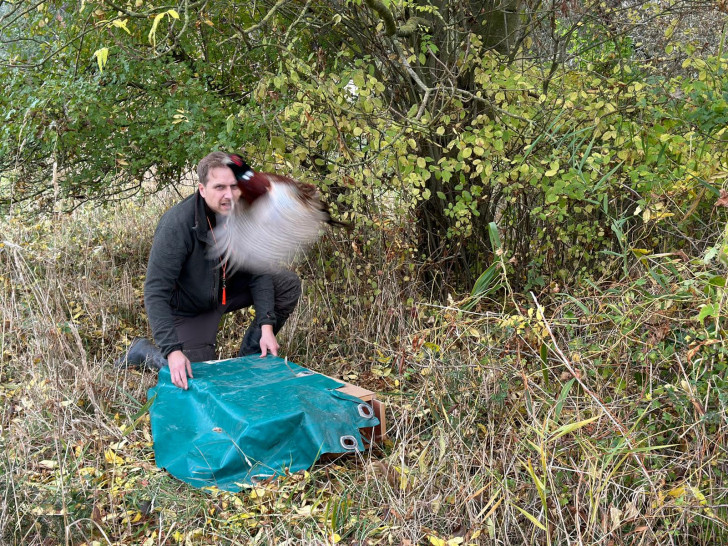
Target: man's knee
287,288
200,354
197,335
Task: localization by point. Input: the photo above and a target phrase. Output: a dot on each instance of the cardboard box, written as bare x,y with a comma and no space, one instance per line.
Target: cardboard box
370,434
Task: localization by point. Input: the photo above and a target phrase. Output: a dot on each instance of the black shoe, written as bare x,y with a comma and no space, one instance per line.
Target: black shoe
142,354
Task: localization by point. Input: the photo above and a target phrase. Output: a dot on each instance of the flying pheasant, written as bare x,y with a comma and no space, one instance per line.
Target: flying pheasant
275,221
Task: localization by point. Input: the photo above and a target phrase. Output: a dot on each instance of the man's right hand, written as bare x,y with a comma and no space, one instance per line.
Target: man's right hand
179,368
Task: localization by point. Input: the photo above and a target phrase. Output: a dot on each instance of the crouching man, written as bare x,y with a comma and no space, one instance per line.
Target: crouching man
186,292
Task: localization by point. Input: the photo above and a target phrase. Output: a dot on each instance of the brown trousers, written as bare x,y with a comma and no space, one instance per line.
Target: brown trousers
198,334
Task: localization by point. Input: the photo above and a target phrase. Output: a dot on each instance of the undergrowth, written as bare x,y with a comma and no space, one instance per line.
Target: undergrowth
592,414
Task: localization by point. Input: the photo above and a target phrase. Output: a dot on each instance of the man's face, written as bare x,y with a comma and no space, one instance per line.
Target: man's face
221,190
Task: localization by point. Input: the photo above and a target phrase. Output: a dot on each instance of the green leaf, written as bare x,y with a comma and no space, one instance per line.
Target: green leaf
707,310
484,284
562,398
495,241
278,143
137,417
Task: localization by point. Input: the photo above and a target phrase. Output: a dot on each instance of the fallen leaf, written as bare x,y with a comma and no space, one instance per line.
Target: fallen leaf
722,201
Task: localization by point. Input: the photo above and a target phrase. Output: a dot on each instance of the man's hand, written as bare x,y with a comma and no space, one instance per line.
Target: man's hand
268,341
180,368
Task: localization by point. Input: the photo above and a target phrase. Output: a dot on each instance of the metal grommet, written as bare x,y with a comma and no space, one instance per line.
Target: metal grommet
304,373
366,411
349,443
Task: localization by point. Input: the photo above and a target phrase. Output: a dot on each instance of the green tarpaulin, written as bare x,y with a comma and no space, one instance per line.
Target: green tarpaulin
251,418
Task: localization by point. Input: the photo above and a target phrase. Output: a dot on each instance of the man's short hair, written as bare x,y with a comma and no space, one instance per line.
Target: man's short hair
209,162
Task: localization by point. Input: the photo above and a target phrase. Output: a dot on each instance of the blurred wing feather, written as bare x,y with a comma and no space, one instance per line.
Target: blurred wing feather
271,233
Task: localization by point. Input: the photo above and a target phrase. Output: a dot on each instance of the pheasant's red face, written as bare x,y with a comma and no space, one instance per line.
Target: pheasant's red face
221,190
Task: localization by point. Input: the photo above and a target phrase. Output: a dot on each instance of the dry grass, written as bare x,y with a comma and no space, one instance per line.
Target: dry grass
600,420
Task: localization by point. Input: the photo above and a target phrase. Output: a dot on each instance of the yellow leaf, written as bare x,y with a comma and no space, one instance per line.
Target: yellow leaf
678,491
112,458
571,427
435,541
157,18
121,23
553,169
539,484
531,518
153,31
102,55
422,460
257,493
698,495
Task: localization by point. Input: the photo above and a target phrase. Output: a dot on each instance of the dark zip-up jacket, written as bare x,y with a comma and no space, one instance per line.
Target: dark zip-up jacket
181,279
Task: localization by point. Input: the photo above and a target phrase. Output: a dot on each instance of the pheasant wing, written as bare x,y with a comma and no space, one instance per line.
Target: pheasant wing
271,233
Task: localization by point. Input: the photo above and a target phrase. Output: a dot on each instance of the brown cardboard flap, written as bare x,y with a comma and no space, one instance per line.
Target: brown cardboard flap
375,434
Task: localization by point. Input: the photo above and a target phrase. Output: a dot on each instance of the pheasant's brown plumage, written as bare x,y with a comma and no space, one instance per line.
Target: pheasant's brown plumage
276,219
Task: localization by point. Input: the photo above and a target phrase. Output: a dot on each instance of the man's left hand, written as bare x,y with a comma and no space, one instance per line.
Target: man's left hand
268,341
